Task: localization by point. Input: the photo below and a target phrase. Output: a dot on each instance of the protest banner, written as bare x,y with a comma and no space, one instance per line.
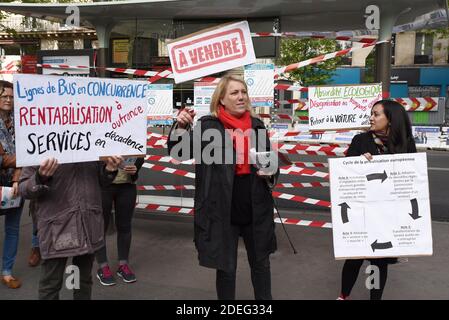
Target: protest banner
160,104
210,51
77,119
426,136
260,81
342,107
380,208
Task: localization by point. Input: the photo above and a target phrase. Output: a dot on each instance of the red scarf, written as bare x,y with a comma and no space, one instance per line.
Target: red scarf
243,123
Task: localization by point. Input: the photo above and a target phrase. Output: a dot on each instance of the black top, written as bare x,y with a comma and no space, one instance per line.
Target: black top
364,142
241,210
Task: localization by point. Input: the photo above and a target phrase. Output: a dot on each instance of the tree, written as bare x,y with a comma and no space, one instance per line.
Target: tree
297,50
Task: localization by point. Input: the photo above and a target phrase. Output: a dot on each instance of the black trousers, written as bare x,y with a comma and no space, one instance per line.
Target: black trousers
350,273
260,269
52,276
123,197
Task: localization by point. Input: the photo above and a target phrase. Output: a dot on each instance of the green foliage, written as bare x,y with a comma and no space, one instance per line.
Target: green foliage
297,50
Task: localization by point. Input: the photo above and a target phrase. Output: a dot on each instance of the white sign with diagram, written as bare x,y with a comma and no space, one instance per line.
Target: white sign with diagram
380,208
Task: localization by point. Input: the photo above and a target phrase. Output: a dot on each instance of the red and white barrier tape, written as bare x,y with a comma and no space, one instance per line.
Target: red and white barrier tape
309,35
300,199
166,187
308,165
177,172
288,87
324,57
305,223
190,212
192,187
167,159
172,209
303,185
311,150
304,172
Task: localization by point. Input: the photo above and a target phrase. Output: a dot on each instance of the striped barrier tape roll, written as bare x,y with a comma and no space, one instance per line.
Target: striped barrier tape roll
167,159
190,212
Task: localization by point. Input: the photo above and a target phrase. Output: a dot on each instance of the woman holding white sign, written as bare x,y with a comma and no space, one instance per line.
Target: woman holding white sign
232,196
390,133
9,176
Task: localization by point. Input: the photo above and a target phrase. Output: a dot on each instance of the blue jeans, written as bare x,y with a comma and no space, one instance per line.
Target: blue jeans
11,243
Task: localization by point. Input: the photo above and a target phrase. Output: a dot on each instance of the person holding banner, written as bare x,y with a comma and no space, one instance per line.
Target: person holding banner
9,176
232,196
122,194
69,220
390,133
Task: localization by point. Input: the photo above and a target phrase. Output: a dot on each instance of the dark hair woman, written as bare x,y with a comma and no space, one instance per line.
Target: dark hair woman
390,133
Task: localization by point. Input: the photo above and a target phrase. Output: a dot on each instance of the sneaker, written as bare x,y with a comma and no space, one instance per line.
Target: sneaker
126,274
105,276
342,297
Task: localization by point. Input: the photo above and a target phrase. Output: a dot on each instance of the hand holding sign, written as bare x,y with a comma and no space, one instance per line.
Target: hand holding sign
185,117
112,163
48,168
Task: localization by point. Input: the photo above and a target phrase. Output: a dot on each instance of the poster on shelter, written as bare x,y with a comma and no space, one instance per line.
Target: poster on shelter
380,208
426,136
342,107
160,104
211,51
260,81
202,92
77,119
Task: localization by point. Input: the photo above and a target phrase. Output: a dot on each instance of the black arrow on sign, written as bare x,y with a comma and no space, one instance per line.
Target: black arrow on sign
415,210
381,246
344,212
375,176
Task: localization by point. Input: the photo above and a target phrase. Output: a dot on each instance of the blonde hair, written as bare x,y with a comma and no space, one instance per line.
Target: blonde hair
220,92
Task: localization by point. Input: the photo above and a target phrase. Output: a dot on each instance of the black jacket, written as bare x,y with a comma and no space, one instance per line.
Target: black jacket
364,142
213,198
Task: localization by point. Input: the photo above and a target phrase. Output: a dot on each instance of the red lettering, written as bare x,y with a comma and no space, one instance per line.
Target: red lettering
182,59
193,56
41,116
235,45
227,47
140,109
209,52
23,112
201,54
218,51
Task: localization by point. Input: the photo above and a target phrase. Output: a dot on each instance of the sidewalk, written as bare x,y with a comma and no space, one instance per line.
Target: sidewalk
164,259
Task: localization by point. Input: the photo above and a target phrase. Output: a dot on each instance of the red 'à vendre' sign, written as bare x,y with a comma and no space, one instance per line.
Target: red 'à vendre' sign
211,51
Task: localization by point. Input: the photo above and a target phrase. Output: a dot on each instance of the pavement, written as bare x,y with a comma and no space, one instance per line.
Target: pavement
164,259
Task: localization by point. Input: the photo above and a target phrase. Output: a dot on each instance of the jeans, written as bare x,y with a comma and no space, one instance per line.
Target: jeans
123,197
52,276
11,243
260,269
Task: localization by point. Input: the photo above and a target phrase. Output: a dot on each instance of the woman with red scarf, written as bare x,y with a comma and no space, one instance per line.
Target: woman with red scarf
232,197
390,133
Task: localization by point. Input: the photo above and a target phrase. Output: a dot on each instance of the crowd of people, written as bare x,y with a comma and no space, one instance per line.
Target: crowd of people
71,204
